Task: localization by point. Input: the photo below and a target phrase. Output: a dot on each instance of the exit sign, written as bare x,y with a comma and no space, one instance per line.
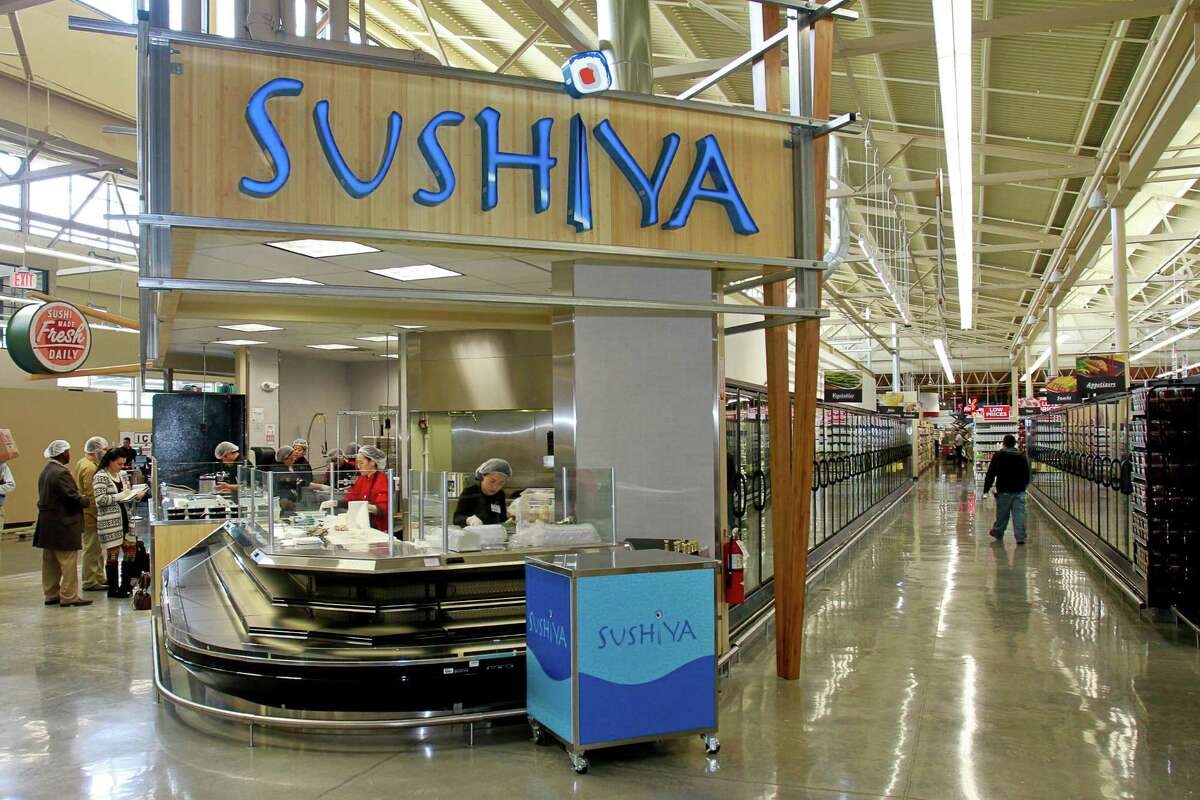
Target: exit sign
24,279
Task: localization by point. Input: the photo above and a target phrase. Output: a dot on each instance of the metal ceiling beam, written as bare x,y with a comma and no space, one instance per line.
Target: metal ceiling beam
690,69
720,17
530,40
1014,25
571,33
55,172
993,179
683,43
991,149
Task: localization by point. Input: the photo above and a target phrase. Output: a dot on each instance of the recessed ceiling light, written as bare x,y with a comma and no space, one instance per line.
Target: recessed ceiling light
410,327
238,342
250,327
390,338
323,248
332,346
417,272
389,355
296,281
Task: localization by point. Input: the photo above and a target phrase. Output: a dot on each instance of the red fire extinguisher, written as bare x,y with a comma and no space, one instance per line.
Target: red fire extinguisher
735,572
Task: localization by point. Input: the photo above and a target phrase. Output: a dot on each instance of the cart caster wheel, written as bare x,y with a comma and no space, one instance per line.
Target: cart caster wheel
540,738
712,745
579,763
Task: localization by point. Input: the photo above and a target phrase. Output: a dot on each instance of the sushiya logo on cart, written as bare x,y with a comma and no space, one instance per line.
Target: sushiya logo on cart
661,631
709,178
545,627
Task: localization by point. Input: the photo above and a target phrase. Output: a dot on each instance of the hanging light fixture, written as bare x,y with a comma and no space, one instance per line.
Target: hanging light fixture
940,348
952,37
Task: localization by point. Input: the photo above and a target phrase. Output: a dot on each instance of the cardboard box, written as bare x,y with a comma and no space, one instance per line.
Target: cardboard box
8,447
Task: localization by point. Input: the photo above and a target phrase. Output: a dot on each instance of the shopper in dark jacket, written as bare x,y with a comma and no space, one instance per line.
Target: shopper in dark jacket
1009,471
59,531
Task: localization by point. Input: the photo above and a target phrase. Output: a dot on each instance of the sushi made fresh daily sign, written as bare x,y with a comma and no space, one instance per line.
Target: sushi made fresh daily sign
408,149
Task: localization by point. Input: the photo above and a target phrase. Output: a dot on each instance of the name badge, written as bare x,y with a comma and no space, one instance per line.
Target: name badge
495,508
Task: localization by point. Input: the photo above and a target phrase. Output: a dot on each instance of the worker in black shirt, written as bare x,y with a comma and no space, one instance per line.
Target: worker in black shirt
1009,471
484,503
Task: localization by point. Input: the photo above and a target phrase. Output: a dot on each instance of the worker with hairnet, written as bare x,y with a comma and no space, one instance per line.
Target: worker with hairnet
59,531
93,554
484,503
301,464
228,454
372,486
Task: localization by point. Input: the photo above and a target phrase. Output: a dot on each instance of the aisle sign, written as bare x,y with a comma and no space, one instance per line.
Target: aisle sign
996,413
1100,374
843,387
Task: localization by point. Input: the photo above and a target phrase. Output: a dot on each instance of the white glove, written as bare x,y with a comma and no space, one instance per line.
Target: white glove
328,504
473,521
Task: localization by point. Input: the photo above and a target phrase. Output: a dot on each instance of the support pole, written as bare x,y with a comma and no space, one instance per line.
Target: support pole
895,357
339,20
1120,279
1028,373
765,21
1013,388
1053,324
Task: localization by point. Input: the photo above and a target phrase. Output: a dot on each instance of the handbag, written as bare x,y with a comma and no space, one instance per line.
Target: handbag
141,595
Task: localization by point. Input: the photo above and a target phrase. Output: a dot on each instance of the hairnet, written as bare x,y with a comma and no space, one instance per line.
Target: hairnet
225,448
336,455
375,454
351,449
96,444
283,452
300,444
56,448
493,465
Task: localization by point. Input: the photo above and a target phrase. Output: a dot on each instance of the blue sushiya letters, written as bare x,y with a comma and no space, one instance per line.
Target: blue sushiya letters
708,166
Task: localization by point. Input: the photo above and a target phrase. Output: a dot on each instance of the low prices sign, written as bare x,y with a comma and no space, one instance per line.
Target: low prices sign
51,338
1100,374
995,412
843,387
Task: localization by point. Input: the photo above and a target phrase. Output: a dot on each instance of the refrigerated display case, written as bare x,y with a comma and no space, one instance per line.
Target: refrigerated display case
1082,475
861,459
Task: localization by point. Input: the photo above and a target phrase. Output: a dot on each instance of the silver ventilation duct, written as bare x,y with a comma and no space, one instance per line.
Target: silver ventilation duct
624,32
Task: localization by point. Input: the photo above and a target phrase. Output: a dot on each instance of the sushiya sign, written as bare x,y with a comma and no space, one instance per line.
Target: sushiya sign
49,338
293,140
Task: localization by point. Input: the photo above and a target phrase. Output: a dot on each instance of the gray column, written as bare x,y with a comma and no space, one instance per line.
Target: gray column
1053,324
1028,373
639,393
1120,279
623,27
1013,388
339,20
895,357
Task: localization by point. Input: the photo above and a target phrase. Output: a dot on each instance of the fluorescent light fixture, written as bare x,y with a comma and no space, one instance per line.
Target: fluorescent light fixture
1180,371
410,327
100,262
332,346
417,272
294,281
389,355
323,248
250,327
940,348
238,342
1185,312
99,326
1042,359
884,273
952,37
1183,334
389,338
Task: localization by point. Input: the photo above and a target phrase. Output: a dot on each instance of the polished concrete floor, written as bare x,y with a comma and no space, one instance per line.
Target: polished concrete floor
938,664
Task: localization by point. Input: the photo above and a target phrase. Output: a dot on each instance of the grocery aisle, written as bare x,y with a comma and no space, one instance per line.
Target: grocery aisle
938,665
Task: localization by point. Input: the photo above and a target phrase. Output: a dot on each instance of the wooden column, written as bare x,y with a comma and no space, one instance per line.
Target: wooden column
791,554
768,96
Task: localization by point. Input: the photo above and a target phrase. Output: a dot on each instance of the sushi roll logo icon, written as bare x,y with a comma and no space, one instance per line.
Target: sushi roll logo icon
587,74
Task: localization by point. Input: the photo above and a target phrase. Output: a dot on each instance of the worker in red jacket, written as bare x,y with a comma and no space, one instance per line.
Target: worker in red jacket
372,486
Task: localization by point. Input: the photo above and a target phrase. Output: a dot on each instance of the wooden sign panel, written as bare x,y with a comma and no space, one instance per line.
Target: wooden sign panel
350,162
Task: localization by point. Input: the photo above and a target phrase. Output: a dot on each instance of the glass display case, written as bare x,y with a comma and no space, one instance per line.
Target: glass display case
286,517
192,492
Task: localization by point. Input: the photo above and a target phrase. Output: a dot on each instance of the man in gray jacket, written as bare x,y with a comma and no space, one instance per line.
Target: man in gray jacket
59,531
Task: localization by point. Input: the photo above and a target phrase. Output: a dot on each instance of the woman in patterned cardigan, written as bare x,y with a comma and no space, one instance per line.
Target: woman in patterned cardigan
112,518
